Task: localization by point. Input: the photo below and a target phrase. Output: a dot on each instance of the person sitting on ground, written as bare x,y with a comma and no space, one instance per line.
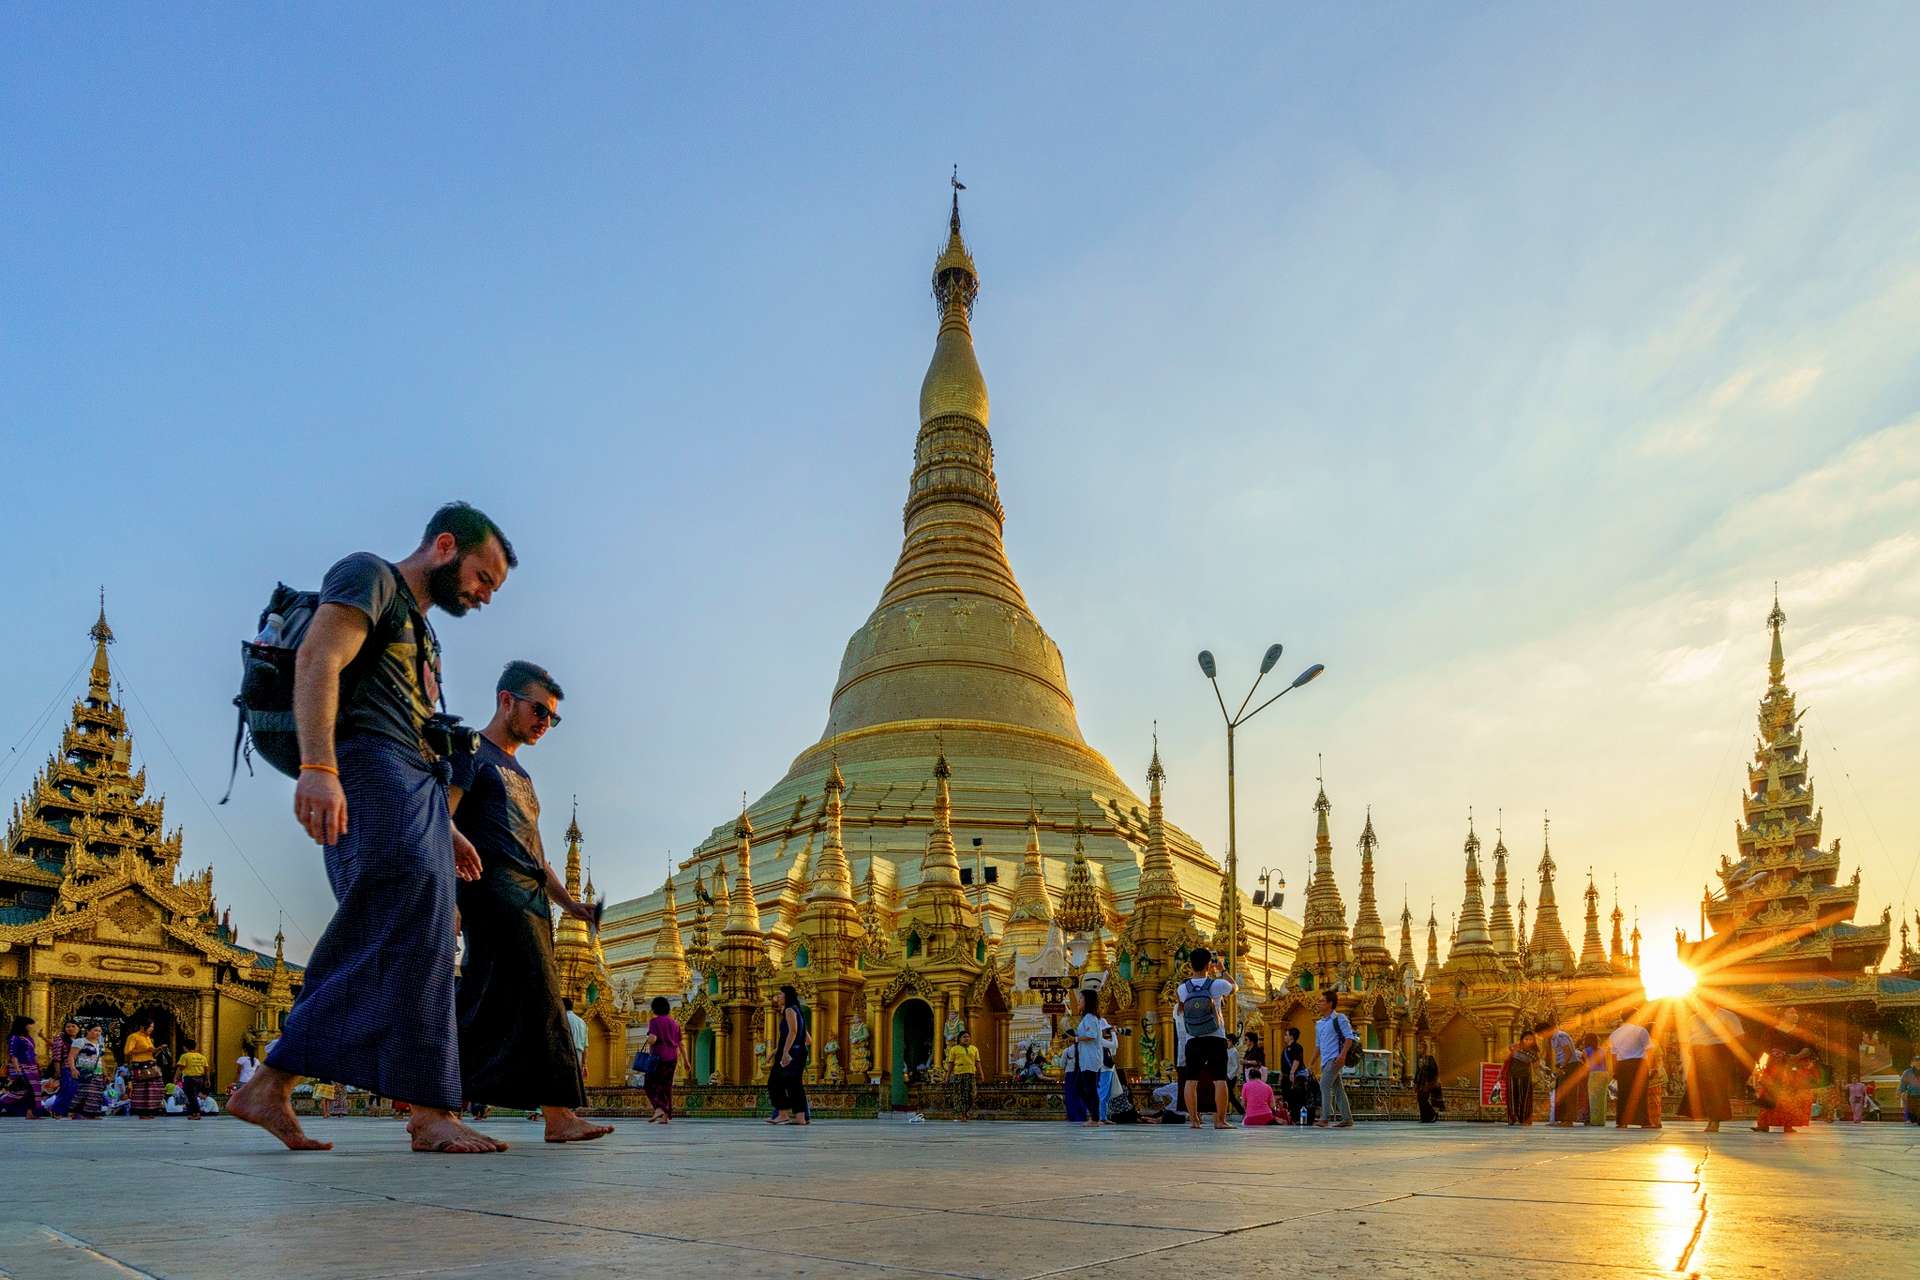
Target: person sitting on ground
1167,1098
1120,1108
1262,1107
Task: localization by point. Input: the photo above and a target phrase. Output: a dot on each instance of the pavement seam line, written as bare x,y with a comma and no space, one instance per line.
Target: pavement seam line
97,1254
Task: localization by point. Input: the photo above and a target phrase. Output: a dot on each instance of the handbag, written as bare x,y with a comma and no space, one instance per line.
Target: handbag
642,1062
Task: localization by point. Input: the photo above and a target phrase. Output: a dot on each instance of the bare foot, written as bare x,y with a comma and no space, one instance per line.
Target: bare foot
565,1126
258,1102
442,1131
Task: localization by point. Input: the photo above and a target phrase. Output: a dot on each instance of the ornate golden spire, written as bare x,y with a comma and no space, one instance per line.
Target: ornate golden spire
1500,917
1432,971
1618,952
743,914
1323,934
1777,660
1369,933
722,895
100,679
667,972
1593,954
1158,882
571,943
1406,935
1080,901
1031,899
1470,936
940,865
833,878
1549,953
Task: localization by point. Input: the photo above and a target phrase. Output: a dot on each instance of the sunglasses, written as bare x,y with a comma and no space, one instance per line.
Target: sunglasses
541,709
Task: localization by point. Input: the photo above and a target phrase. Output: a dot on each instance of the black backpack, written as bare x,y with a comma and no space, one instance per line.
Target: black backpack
265,725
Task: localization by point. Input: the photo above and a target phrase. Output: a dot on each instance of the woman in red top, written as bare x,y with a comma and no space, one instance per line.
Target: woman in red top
663,1042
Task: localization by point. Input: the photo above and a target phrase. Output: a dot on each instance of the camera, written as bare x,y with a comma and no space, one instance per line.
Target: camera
446,737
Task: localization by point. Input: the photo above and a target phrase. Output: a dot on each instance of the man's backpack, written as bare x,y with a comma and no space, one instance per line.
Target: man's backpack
265,725
1198,1013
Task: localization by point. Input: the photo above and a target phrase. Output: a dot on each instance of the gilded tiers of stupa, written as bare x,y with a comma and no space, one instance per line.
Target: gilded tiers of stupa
952,664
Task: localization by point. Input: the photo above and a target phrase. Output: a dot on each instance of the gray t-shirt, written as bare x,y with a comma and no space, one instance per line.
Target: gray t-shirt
397,685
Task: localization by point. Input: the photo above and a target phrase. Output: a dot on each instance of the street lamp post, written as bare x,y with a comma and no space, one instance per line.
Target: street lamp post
1267,897
1234,720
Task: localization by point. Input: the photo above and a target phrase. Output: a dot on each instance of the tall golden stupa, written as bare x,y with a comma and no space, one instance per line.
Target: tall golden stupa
953,663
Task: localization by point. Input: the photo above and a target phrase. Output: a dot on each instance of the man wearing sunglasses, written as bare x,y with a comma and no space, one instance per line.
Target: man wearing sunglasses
515,1046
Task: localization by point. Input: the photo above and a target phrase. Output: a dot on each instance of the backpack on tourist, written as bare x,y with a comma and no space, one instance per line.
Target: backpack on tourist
1198,1012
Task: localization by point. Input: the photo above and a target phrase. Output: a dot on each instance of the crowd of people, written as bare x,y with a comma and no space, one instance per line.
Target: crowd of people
75,1084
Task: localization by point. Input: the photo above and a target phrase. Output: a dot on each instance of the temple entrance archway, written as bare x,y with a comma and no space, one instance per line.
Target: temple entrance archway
912,1041
1459,1049
703,1055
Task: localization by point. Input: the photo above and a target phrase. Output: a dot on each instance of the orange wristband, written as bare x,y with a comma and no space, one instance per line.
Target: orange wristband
323,768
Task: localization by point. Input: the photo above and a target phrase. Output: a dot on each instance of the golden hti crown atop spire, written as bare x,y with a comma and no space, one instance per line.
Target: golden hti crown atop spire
940,865
571,944
1406,935
1618,952
1369,932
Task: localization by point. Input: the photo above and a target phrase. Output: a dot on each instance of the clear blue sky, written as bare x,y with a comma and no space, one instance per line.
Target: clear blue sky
1499,358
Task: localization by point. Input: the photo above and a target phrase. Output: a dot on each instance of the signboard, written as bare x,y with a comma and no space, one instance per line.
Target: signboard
1493,1084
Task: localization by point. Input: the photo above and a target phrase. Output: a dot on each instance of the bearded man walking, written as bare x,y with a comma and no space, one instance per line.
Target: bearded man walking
376,1008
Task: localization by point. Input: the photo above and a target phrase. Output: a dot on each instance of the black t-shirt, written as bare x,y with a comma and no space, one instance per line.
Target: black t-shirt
396,689
500,813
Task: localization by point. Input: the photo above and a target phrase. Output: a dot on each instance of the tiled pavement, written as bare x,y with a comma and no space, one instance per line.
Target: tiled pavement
738,1199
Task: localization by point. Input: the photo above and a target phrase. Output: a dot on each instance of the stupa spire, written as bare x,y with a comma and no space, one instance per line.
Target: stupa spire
1618,952
1470,931
1406,935
1500,916
667,971
833,877
1593,952
1080,900
1158,882
940,865
1031,901
1369,933
1432,971
1324,945
743,914
1550,952
100,678
571,941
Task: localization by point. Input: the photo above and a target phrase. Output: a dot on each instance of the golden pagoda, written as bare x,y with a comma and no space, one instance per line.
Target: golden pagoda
1779,935
98,923
1324,954
1547,954
951,664
585,979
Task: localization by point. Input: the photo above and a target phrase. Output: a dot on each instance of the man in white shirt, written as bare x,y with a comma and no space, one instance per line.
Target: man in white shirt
1202,1035
1331,1034
577,1025
1627,1051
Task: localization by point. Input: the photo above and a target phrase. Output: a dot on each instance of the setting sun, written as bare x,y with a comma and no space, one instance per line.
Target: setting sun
1665,977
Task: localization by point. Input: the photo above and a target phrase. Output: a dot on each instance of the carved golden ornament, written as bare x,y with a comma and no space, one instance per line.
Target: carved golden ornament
70,958
128,915
186,971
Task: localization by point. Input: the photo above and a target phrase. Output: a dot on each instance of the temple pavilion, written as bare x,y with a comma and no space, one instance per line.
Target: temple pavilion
97,921
1778,943
950,819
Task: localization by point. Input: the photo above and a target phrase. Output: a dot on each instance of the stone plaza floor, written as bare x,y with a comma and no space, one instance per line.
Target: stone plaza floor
738,1199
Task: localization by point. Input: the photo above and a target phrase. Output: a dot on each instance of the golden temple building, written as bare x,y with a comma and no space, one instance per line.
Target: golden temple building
1777,942
950,820
97,921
